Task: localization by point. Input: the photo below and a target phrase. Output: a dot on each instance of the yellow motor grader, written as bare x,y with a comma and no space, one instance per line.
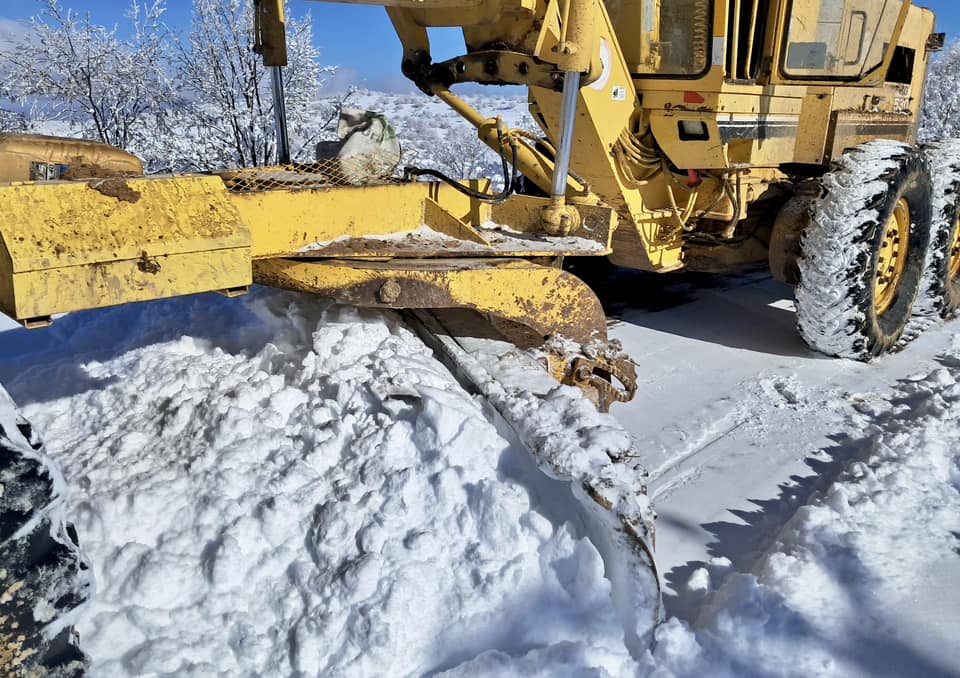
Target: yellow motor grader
699,134
675,134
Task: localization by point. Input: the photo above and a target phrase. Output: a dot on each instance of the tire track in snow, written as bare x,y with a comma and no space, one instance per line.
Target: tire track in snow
835,588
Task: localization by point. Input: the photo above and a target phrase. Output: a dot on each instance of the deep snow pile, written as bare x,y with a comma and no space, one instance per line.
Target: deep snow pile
319,496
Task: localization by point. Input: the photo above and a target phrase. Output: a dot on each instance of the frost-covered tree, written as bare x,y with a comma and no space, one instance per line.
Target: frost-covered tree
11,121
225,117
73,70
941,108
462,155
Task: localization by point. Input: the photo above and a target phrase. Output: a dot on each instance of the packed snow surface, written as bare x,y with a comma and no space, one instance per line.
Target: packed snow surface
817,601
807,506
425,239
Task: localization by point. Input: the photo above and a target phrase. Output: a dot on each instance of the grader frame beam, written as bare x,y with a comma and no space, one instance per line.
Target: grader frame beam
515,290
120,240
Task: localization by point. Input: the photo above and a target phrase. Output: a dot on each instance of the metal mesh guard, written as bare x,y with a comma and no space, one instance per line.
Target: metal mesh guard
363,170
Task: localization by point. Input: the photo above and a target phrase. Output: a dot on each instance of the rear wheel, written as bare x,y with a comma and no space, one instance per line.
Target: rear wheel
940,289
863,254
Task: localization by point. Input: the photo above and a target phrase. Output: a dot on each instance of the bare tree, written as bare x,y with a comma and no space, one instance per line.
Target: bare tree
941,108
79,72
225,115
11,121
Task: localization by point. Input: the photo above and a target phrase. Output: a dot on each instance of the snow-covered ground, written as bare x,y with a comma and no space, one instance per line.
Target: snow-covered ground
809,508
276,485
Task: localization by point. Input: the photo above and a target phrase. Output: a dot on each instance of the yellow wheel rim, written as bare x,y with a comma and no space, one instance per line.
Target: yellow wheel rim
955,253
892,261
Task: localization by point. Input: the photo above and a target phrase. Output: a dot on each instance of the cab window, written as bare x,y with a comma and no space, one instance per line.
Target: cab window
839,38
664,37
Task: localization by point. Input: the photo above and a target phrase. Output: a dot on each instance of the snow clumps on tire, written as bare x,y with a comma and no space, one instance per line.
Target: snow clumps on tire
939,295
836,313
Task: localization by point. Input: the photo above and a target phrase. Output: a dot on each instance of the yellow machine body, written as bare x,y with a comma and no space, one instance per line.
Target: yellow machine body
76,245
119,240
34,157
690,113
739,92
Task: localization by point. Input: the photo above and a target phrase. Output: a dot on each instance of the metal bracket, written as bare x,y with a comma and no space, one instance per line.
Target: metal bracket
602,371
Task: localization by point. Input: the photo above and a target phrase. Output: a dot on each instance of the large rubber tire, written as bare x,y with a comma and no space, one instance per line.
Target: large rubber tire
43,578
940,288
837,312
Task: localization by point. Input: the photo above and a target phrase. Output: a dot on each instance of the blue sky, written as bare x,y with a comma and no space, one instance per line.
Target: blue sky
358,38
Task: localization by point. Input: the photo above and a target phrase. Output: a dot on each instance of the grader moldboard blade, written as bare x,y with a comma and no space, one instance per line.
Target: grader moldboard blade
74,245
583,456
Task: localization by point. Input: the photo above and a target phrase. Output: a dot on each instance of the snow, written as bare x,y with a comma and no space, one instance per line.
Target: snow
595,458
318,496
60,573
821,591
310,491
807,507
427,239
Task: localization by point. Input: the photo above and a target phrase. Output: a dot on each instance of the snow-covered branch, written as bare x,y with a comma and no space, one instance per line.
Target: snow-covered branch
941,109
73,70
225,112
198,102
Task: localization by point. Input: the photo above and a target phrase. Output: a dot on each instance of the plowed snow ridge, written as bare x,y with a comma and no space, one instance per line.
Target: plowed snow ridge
327,503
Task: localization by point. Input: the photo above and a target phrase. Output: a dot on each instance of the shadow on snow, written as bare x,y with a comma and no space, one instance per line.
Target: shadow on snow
875,650
748,311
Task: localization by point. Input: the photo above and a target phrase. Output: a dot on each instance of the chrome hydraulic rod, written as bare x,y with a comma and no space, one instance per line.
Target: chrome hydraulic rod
280,116
568,116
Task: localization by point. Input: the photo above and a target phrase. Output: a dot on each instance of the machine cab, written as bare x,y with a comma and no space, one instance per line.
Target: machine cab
762,41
